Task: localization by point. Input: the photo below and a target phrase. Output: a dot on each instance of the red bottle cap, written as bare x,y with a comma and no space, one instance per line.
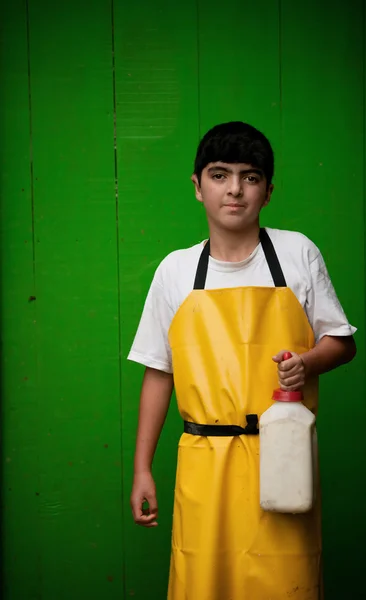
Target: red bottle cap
282,396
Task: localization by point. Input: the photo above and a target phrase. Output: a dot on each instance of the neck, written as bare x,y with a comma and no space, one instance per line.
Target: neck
230,246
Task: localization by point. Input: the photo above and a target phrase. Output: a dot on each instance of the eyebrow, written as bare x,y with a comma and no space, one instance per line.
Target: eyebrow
243,172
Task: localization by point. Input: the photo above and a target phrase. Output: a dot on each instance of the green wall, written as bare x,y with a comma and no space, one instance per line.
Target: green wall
101,108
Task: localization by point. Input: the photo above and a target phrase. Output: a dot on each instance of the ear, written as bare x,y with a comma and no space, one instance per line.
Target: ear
197,188
268,195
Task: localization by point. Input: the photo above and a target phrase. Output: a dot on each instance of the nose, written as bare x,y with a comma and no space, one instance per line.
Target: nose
235,188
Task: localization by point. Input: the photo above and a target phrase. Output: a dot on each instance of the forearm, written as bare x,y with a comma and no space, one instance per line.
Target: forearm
154,403
330,353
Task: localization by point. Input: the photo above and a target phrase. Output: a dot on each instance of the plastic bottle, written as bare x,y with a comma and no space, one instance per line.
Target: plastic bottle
287,449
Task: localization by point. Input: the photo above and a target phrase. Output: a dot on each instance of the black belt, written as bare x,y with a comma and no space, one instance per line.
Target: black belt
223,430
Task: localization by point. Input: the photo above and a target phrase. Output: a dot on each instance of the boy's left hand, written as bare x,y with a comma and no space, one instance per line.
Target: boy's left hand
291,372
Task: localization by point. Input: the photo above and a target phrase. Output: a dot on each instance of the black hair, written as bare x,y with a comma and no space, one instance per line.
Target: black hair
235,142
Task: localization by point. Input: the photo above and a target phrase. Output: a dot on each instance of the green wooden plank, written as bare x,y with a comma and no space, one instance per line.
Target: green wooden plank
157,135
239,70
77,299
323,175
19,439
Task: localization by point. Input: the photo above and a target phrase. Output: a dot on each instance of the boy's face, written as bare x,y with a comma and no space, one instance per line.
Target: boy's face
232,194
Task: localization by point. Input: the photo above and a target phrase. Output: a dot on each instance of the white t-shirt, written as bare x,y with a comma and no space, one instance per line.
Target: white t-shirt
302,265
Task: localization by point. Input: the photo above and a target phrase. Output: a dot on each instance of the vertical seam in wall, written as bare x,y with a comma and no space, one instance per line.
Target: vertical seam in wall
280,170
364,136
198,45
31,147
118,293
198,68
34,293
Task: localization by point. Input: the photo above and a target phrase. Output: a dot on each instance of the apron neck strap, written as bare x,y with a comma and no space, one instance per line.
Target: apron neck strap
272,259
269,252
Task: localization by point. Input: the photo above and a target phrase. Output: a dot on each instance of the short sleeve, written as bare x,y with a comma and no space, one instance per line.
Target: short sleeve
324,311
151,347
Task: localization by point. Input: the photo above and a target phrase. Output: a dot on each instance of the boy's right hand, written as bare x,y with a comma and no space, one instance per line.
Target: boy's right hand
144,490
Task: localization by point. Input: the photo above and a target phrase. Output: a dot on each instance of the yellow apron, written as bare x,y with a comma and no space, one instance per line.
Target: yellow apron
224,547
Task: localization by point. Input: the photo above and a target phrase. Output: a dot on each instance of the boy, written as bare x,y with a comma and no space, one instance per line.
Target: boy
219,316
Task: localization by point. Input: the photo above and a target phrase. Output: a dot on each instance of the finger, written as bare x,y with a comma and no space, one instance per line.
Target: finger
153,504
148,513
288,365
137,508
295,376
296,371
146,521
143,516
278,357
293,382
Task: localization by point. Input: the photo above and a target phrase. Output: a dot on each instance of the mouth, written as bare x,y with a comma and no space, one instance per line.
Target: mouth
234,205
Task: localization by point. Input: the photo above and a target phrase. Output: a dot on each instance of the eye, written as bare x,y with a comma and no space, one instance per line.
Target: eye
251,179
218,176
